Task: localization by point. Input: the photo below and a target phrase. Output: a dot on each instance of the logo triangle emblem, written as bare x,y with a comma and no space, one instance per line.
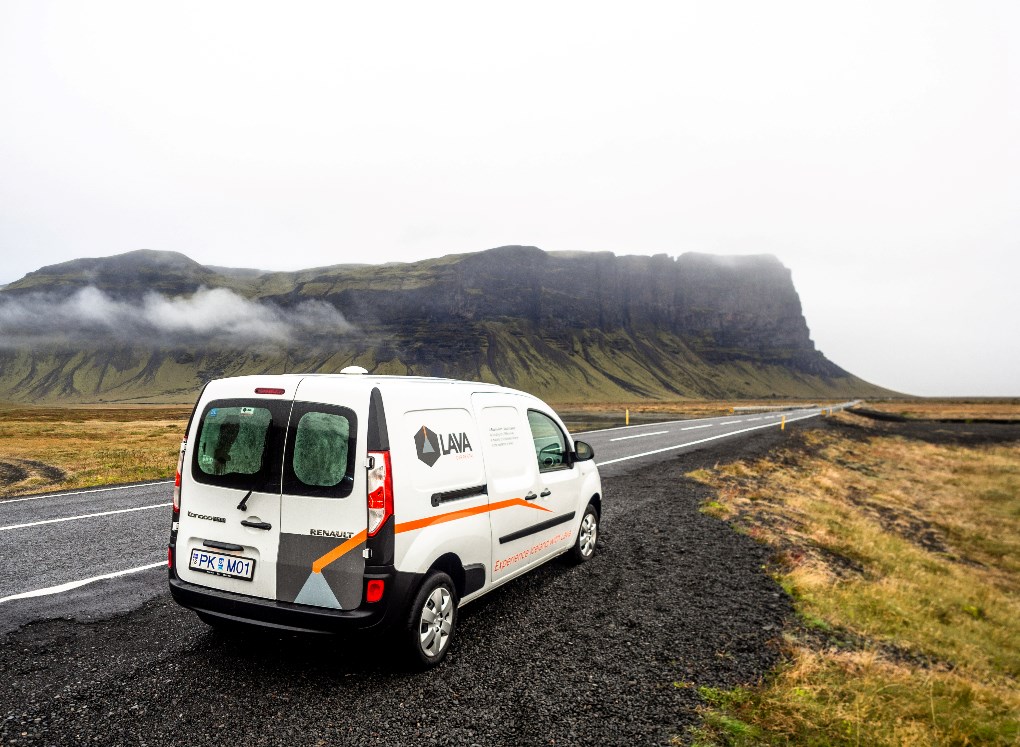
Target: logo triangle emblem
316,592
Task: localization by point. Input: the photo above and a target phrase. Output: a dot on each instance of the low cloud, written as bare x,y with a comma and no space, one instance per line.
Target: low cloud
210,316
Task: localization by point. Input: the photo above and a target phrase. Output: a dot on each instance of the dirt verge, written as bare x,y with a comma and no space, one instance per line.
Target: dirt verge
16,472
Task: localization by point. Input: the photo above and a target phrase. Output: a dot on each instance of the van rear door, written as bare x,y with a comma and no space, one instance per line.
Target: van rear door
323,513
233,460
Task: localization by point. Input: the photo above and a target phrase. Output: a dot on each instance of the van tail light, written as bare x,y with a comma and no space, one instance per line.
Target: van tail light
177,479
380,490
170,558
374,590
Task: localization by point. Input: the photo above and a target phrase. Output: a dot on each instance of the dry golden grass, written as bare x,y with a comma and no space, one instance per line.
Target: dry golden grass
904,562
922,409
89,445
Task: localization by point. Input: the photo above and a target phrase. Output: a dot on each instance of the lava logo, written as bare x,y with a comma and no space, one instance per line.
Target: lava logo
427,444
430,445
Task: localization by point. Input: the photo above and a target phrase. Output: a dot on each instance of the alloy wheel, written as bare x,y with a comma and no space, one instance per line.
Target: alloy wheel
436,622
589,533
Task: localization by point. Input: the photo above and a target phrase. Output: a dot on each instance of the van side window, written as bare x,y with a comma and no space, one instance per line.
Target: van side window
320,449
550,443
233,440
319,459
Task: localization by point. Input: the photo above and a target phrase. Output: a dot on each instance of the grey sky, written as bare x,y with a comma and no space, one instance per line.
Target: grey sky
873,148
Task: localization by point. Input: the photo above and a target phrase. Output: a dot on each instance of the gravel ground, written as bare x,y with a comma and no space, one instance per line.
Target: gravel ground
611,652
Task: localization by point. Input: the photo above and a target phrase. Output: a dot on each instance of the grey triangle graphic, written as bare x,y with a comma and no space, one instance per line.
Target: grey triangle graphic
426,447
316,592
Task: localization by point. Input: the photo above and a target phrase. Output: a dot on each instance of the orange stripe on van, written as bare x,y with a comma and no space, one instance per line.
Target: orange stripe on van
409,526
339,551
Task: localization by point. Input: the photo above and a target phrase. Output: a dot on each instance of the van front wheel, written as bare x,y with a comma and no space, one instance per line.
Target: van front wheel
587,536
432,621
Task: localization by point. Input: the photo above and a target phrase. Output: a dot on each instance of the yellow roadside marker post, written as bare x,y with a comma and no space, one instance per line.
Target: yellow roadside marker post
626,417
782,424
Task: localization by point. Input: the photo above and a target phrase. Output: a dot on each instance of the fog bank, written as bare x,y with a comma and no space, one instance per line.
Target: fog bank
208,317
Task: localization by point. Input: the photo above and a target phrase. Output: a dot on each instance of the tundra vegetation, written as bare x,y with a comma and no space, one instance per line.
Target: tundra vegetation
903,558
965,409
57,448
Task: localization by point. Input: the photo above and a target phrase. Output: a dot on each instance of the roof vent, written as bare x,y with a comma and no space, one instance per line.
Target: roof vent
354,370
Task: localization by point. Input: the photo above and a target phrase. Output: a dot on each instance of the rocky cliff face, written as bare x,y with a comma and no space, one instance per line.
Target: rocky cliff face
569,326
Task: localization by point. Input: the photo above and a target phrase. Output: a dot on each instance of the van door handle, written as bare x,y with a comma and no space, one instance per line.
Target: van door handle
530,497
545,492
256,524
223,545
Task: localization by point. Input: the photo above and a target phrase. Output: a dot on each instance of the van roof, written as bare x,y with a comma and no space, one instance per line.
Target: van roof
389,378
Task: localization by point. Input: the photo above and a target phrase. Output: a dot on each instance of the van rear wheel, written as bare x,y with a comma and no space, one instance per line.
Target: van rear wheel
587,536
432,622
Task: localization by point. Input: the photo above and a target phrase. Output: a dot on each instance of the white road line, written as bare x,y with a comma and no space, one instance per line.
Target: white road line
60,589
695,427
731,422
639,435
82,492
83,516
647,425
703,440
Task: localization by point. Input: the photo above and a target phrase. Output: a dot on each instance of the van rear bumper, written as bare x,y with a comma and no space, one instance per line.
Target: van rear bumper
299,618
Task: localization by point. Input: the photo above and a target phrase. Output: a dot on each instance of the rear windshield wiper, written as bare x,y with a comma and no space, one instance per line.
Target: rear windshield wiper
241,506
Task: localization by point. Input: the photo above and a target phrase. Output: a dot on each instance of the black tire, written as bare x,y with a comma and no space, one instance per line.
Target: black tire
587,536
432,622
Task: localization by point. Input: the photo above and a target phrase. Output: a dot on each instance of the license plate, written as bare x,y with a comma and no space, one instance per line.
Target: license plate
232,566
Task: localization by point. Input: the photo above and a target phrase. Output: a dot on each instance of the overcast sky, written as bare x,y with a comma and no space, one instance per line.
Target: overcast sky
873,147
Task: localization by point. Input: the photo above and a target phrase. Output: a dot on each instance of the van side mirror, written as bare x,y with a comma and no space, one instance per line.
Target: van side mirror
582,452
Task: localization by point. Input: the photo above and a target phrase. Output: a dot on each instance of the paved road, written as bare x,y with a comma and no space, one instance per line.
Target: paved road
637,445
56,548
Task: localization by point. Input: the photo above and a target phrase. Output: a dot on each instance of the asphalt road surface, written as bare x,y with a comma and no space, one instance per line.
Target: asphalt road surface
56,548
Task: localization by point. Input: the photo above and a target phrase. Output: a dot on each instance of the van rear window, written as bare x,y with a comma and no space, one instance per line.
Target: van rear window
233,440
320,449
236,443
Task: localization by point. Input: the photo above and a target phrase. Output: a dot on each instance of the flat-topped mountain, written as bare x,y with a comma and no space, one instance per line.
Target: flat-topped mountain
575,326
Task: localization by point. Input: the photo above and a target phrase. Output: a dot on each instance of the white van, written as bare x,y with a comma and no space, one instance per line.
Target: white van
324,502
